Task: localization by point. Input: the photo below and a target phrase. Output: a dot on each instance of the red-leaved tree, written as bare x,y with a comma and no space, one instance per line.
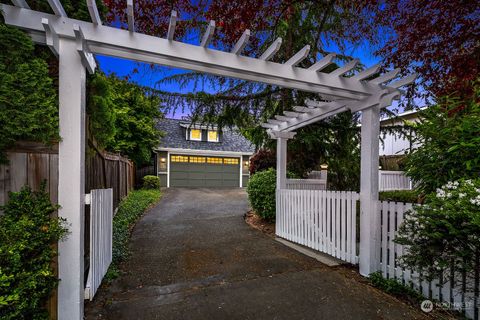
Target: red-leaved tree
440,40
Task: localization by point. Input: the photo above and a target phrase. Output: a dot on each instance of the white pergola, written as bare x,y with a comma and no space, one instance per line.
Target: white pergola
74,42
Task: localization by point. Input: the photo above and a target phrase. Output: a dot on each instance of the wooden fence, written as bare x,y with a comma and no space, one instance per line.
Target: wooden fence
104,170
322,220
31,163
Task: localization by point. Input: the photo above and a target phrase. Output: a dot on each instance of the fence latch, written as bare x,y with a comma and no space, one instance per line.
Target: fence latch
88,198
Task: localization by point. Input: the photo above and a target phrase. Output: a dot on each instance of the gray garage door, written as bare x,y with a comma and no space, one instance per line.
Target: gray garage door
201,171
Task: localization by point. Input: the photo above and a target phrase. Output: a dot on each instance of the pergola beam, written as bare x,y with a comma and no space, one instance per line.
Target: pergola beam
323,63
87,58
207,37
241,43
51,37
346,68
271,50
57,8
140,47
404,81
386,77
130,16
21,4
298,57
171,25
367,73
93,11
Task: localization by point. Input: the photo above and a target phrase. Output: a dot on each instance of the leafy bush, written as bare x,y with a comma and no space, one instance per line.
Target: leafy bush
261,193
263,159
130,210
394,287
444,232
28,231
151,182
406,196
449,140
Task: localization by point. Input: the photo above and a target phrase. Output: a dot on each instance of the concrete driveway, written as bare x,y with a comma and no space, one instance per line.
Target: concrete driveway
194,257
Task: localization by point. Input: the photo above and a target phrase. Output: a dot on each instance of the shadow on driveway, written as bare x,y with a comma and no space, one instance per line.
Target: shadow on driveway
194,257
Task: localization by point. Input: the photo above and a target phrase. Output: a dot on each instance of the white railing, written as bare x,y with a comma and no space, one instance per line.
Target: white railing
306,184
101,217
322,220
392,215
393,180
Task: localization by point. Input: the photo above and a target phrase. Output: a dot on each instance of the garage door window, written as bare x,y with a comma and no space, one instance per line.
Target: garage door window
179,159
197,159
230,161
214,160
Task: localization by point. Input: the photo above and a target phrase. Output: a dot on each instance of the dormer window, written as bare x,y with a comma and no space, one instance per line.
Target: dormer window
196,134
212,136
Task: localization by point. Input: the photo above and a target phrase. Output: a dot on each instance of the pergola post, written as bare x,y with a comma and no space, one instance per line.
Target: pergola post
282,138
369,219
71,180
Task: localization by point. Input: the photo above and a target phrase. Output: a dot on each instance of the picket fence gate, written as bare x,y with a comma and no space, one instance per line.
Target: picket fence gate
101,218
322,220
306,184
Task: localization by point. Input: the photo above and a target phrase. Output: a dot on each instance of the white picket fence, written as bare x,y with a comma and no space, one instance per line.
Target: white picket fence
393,180
306,184
322,220
101,217
392,215
326,221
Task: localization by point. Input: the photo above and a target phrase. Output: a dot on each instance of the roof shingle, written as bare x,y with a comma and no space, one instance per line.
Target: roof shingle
174,137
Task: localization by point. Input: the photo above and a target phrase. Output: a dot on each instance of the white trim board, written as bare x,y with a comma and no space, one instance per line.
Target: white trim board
205,152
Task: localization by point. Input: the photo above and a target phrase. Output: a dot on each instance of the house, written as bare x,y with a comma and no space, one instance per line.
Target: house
395,143
199,155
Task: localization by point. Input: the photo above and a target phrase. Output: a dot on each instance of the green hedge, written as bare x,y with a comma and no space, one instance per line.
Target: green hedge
130,210
28,230
151,182
261,192
406,196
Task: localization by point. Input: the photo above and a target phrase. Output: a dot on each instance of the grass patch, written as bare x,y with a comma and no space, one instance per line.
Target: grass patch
129,211
395,288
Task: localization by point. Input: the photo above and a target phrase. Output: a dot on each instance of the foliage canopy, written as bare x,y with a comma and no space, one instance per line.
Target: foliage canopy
449,140
28,99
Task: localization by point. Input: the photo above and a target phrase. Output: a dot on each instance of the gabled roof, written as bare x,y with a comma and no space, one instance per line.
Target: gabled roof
231,141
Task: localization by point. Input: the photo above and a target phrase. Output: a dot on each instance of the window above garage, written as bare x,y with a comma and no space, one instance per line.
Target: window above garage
212,136
196,134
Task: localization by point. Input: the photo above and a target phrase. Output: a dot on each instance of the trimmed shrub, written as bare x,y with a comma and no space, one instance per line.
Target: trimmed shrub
28,231
130,210
406,196
261,193
151,182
